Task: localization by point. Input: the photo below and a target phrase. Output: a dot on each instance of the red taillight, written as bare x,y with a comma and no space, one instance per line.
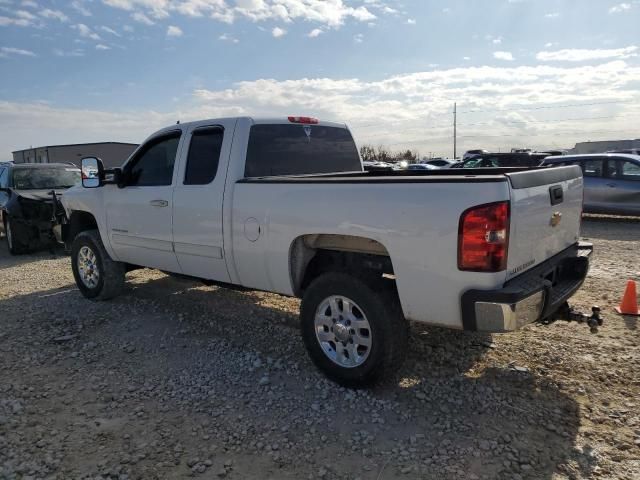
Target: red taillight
307,120
483,238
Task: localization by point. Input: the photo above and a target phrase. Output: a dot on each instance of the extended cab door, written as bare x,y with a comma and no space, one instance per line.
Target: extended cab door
198,201
139,214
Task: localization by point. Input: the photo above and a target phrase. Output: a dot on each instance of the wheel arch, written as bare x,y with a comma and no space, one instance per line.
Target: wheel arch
313,254
79,221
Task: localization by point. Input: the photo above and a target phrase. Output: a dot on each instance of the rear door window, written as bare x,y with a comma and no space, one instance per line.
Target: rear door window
204,155
294,149
592,168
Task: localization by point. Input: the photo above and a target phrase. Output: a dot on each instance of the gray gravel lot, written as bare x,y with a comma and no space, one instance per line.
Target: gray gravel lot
175,379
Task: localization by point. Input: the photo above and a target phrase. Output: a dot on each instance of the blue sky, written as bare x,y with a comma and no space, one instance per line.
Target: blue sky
523,72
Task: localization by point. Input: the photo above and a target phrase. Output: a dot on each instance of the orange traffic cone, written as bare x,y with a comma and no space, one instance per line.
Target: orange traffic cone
629,304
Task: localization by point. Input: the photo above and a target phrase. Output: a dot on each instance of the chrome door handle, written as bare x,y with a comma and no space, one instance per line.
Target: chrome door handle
159,203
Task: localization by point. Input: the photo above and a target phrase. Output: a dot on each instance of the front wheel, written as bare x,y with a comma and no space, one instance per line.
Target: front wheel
354,332
15,242
98,277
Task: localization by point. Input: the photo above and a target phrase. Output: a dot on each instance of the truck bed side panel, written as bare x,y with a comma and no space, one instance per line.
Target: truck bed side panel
416,222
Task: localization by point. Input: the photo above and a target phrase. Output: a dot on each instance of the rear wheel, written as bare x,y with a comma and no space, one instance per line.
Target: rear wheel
15,242
98,277
354,331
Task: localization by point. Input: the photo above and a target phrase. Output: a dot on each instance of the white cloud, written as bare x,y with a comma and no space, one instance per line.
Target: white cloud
104,28
466,59
315,33
18,22
29,4
102,46
621,7
142,18
79,6
332,13
508,56
278,32
411,21
86,32
78,52
173,31
53,14
414,109
581,55
8,51
24,14
358,38
225,37
552,15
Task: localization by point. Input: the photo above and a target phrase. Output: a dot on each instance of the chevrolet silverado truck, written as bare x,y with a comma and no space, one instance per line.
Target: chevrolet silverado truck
283,205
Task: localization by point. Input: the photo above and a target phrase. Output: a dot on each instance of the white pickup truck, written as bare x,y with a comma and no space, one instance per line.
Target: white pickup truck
283,205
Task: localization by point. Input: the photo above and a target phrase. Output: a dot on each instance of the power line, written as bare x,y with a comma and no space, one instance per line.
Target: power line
547,107
544,107
557,134
512,122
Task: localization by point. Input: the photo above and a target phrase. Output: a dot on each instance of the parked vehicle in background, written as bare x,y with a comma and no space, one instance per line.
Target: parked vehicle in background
611,181
439,162
492,160
472,153
378,166
253,202
28,201
421,166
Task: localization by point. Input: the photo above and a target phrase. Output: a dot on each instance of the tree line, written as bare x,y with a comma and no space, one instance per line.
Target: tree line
369,153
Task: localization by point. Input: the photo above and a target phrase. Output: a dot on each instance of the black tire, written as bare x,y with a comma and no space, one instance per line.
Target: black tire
389,331
111,274
15,243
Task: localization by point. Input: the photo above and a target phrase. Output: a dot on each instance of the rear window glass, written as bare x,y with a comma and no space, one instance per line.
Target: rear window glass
299,150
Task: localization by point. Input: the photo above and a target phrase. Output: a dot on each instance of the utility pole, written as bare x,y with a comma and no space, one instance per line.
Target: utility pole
455,126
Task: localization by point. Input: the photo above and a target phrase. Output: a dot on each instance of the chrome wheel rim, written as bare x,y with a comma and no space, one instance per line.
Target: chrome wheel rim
9,235
88,267
343,331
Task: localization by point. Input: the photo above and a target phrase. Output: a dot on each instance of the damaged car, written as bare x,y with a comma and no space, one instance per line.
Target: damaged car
30,211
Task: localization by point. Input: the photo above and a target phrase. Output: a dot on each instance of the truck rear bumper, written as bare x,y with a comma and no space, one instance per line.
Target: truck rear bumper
534,295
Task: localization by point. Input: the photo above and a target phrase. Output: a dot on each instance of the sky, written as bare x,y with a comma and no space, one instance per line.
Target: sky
523,73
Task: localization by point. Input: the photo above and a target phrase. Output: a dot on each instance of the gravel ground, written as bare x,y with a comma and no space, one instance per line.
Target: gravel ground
174,379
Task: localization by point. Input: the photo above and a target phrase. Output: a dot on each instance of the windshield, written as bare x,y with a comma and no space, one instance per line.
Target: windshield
43,178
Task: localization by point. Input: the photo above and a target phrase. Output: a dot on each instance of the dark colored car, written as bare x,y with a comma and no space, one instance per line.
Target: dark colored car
488,160
440,162
611,181
28,201
421,166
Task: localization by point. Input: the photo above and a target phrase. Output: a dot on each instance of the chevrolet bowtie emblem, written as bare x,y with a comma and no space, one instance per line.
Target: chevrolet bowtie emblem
555,219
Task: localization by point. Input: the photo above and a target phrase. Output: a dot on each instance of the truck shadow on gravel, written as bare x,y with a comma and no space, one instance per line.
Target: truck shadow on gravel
230,367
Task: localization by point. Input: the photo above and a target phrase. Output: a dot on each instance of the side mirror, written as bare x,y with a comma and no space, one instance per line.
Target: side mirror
92,171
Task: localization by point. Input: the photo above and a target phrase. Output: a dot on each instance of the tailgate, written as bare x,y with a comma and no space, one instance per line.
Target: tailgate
546,209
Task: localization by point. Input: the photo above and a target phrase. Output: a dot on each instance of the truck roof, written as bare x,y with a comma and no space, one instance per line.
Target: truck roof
255,120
